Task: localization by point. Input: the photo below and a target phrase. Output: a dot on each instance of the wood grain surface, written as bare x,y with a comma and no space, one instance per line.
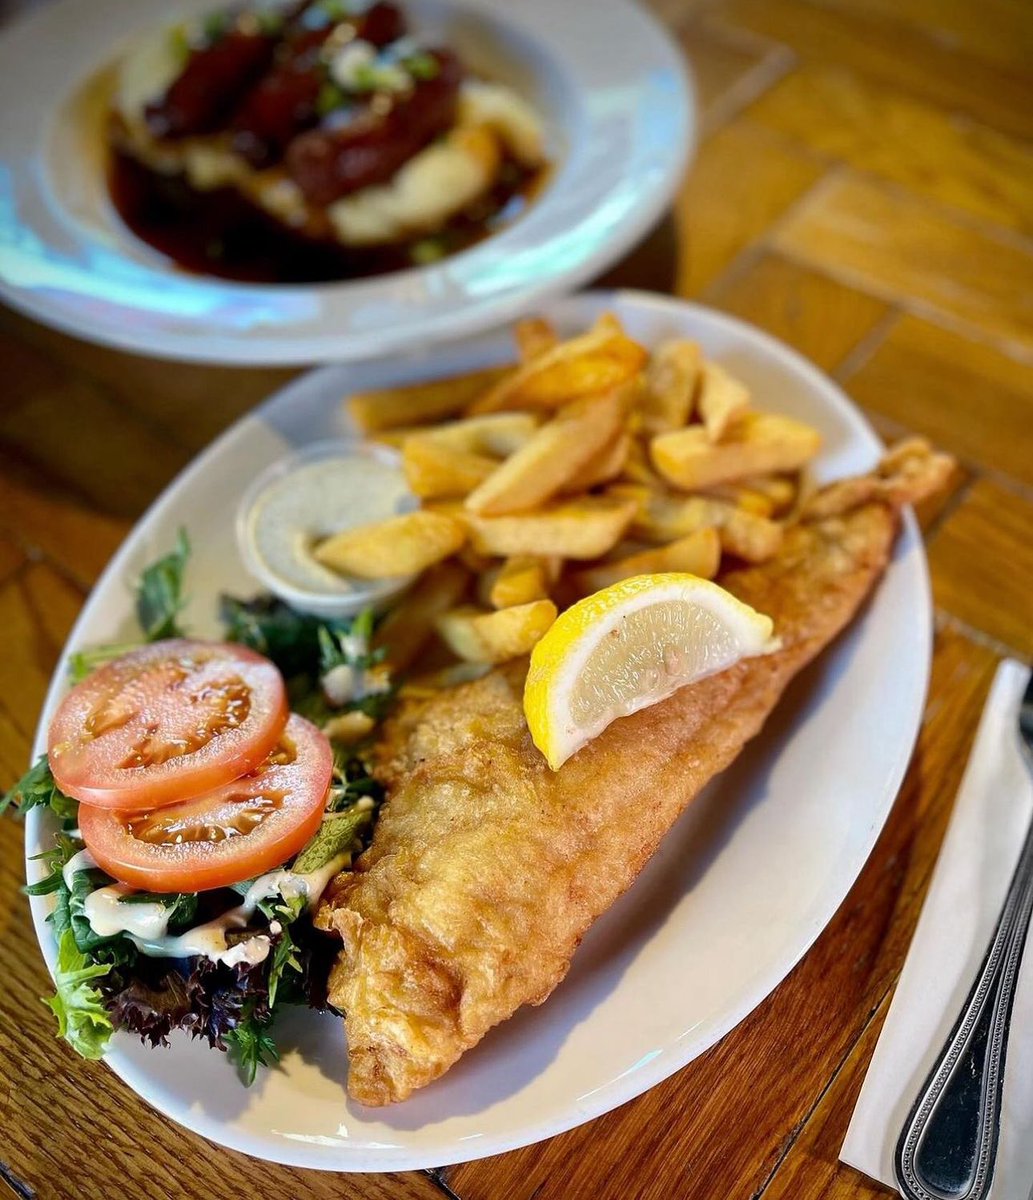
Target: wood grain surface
864,191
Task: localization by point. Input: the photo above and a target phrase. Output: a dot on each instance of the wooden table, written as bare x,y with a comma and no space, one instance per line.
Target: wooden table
864,190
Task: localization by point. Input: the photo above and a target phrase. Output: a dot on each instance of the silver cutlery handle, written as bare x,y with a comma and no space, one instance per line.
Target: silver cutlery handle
948,1146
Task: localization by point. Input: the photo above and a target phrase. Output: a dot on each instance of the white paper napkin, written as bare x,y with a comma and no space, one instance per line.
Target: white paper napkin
971,877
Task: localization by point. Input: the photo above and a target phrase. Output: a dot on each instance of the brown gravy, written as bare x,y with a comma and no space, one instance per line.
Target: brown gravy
221,233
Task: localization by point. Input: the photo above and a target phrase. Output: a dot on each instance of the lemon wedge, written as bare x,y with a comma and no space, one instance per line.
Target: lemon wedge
627,647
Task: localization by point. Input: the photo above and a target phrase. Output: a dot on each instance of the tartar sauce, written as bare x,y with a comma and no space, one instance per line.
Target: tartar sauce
313,500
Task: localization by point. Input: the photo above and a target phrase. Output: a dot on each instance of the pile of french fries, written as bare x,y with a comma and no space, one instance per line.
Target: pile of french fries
588,461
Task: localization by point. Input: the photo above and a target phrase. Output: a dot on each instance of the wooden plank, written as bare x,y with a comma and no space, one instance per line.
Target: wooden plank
850,118
886,241
674,13
46,519
729,71
968,397
190,402
997,31
742,180
982,564
894,54
821,318
37,609
720,1126
11,557
812,1170
67,428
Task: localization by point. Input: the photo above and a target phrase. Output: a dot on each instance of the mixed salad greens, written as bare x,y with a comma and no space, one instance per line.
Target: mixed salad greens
107,982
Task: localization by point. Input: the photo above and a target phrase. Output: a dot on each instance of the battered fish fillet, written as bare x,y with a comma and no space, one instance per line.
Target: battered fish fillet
487,868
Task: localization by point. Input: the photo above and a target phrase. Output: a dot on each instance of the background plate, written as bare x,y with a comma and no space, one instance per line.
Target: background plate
739,890
620,119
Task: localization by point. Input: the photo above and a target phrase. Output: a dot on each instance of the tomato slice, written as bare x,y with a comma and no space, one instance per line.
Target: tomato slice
236,831
166,722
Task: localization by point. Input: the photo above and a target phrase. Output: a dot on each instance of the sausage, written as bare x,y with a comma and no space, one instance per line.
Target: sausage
212,82
367,144
284,101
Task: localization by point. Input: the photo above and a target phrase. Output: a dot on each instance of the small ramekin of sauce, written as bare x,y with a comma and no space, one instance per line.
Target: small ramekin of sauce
305,497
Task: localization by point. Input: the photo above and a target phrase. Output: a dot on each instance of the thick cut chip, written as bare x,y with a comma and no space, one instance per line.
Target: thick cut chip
494,434
595,362
496,637
671,377
434,471
519,581
559,449
780,491
749,499
722,399
403,545
756,444
637,468
418,403
664,516
585,528
698,554
604,465
534,335
748,536
408,626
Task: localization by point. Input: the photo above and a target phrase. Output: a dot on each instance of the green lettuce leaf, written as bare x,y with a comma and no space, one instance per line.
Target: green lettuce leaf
82,1019
251,1045
54,860
37,788
159,594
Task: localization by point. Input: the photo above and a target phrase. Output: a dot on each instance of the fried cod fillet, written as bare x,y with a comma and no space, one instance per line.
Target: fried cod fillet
487,868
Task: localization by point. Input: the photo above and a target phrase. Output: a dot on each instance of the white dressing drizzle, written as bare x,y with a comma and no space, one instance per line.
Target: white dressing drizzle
146,923
82,861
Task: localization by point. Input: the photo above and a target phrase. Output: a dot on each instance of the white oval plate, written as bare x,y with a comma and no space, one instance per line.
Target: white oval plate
739,890
620,119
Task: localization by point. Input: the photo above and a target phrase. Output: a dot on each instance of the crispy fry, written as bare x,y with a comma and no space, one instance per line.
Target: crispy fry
749,536
422,687
746,498
584,528
534,335
559,449
670,383
638,469
349,727
604,465
434,471
520,580
608,322
595,362
402,545
780,490
664,516
699,554
495,434
756,444
722,399
409,624
417,403
495,637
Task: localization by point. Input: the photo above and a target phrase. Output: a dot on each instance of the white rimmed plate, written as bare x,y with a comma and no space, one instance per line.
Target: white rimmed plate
609,84
739,890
